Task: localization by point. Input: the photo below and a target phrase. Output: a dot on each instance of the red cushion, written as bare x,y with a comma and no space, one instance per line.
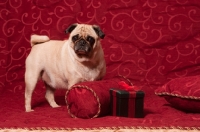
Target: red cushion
91,99
182,93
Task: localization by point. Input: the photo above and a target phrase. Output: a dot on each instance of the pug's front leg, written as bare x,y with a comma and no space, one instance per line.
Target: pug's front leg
50,96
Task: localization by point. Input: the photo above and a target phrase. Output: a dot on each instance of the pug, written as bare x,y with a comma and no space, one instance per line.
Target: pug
61,64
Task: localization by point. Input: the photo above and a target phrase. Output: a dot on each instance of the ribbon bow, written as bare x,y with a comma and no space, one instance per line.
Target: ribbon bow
127,87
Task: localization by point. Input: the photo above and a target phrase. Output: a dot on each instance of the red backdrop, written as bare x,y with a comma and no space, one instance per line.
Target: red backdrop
150,42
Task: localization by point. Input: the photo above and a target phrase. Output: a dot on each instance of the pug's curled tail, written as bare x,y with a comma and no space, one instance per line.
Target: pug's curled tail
38,39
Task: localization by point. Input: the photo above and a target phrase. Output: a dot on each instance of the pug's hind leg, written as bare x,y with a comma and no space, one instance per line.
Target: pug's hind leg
50,96
30,81
28,95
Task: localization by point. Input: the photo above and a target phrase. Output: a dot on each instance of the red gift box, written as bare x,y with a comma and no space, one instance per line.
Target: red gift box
127,103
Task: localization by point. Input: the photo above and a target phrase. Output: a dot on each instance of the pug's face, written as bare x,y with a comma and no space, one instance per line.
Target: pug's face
84,38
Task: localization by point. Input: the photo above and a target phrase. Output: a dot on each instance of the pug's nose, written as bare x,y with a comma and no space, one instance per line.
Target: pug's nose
82,42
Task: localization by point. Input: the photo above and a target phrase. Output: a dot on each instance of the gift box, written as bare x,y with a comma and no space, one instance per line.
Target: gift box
127,103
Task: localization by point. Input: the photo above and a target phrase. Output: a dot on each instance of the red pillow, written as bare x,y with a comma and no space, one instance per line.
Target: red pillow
182,93
91,99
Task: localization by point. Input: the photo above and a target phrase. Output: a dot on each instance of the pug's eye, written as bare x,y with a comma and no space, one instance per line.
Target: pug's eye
75,38
90,39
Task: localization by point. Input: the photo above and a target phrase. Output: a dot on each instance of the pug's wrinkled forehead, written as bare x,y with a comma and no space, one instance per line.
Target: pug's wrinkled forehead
84,30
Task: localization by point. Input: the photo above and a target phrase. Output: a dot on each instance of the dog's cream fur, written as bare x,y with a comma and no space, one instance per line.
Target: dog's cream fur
59,66
36,39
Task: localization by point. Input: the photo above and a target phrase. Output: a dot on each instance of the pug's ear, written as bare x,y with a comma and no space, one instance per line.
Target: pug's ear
71,28
98,31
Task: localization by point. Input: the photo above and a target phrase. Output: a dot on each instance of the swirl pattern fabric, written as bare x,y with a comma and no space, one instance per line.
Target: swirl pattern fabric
147,41
182,93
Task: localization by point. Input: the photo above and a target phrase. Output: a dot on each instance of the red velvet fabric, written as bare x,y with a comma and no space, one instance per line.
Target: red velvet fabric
91,99
157,113
149,42
182,93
